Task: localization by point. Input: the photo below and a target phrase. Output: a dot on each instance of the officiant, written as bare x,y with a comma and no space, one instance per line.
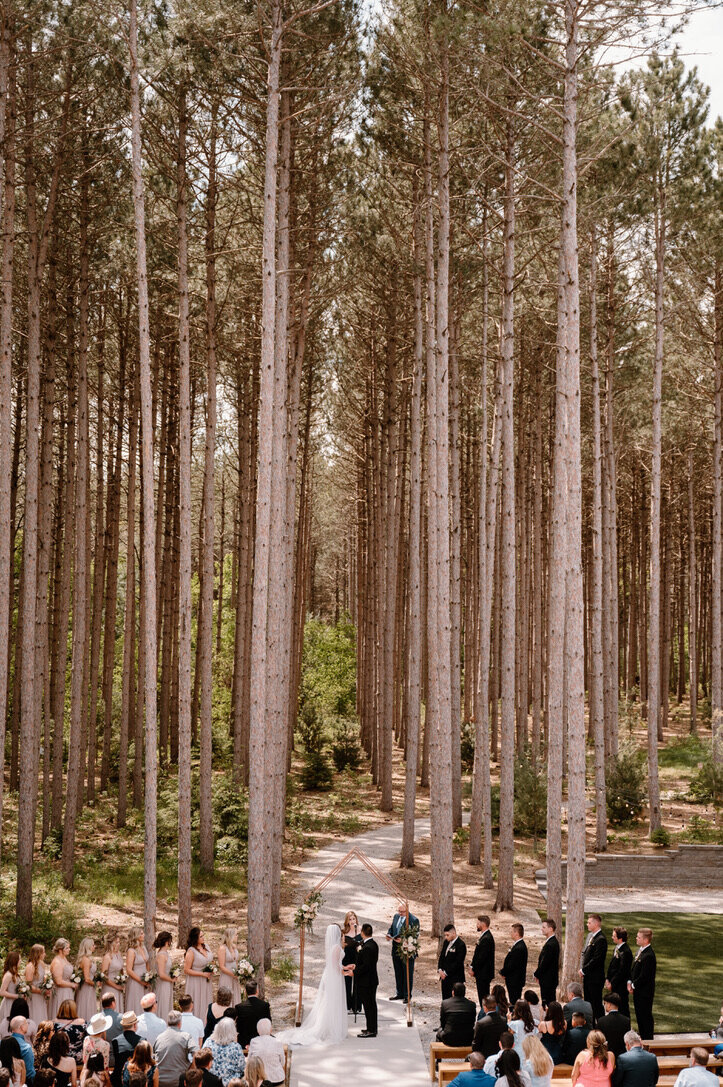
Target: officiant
402,920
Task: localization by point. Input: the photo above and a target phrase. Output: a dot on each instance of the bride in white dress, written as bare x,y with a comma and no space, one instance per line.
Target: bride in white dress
326,1023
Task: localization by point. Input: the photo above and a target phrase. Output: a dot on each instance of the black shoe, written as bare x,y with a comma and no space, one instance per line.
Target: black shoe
367,1034
397,996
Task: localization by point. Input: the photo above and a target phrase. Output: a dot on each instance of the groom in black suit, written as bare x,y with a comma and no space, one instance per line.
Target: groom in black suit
367,980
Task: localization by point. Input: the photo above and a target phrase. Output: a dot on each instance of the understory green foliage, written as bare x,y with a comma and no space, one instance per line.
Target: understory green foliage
625,784
530,797
686,752
54,914
707,785
327,699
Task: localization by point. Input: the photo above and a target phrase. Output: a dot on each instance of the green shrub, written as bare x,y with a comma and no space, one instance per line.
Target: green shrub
316,773
625,783
283,968
660,837
707,785
328,668
467,737
701,830
687,752
53,915
345,749
310,728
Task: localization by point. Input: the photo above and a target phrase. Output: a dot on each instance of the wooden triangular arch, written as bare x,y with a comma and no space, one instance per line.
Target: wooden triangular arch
387,884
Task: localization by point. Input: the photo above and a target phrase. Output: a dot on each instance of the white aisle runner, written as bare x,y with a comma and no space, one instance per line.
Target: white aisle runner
395,1056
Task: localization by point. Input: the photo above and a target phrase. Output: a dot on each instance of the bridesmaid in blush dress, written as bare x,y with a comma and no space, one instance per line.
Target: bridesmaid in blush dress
164,982
112,964
136,966
85,999
198,983
228,956
35,973
9,983
61,971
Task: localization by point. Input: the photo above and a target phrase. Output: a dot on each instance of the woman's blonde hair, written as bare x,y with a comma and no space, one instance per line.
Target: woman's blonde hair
540,1060
85,949
347,921
229,937
61,944
598,1046
110,938
255,1072
134,935
35,952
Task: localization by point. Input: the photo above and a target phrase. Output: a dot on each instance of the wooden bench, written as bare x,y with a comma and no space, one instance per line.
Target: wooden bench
673,1064
680,1044
438,1051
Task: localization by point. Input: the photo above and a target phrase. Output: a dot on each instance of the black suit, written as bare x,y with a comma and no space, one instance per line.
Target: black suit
123,1047
618,974
614,1026
593,970
488,1032
247,1015
514,970
367,980
483,963
457,1017
575,1042
451,960
548,969
642,975
636,1068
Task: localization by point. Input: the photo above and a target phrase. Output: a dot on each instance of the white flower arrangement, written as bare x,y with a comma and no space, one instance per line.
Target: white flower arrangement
121,979
211,968
22,988
174,970
76,977
307,911
149,976
409,943
47,985
244,970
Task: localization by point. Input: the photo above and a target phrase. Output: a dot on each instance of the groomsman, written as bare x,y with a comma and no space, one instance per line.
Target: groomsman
642,983
619,967
450,967
548,964
514,968
402,919
483,959
592,965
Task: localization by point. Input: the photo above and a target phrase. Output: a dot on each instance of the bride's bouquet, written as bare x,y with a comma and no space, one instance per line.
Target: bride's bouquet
244,970
409,943
307,911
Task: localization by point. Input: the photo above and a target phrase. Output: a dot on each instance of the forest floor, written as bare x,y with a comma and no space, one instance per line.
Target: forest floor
109,871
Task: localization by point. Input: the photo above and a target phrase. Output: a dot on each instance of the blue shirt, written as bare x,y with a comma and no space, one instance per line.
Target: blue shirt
26,1052
475,1077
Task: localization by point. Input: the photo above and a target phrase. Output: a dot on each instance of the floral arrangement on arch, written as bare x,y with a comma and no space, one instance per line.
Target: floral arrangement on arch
244,970
307,911
409,944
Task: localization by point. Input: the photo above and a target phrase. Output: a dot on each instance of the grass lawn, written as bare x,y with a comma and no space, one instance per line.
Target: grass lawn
689,977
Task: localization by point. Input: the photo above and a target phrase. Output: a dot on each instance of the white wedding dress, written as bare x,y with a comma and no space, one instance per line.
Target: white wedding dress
326,1023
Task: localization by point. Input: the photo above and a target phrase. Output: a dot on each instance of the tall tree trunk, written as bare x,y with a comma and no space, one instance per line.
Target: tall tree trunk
184,586
148,630
129,625
597,678
717,541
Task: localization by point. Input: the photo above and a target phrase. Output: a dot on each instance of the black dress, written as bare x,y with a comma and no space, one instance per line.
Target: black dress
351,946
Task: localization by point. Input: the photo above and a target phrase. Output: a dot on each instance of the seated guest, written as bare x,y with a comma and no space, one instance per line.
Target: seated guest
255,1074
490,1026
476,1076
500,994
173,1051
123,1046
697,1074
507,1041
141,1063
217,1009
59,1061
509,1069
94,1072
535,1006
575,1003
272,1053
109,1009
553,1029
248,1013
19,1029
537,1061
68,1020
457,1017
521,1024
193,1077
576,1038
44,1077
613,1024
190,1023
228,1056
202,1063
19,1006
44,1033
594,1066
636,1067
150,1024
11,1060
96,1040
